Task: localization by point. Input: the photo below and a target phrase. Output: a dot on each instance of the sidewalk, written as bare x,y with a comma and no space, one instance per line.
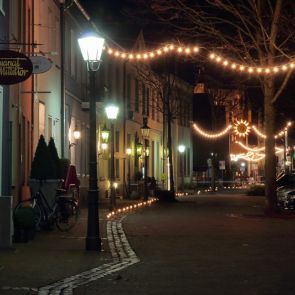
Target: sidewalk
54,255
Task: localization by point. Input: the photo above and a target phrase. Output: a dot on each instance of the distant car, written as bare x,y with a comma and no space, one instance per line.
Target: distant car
286,197
286,191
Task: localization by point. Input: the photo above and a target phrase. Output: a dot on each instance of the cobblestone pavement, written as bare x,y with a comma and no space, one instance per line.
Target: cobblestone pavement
39,256
210,244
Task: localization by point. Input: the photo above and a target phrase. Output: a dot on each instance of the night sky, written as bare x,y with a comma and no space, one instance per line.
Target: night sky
118,20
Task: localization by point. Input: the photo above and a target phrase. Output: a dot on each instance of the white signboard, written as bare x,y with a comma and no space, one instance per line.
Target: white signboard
41,64
222,165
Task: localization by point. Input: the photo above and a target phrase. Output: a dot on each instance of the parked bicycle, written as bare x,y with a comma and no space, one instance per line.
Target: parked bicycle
64,212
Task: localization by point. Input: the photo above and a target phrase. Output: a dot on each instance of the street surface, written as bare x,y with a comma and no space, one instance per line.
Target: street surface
211,244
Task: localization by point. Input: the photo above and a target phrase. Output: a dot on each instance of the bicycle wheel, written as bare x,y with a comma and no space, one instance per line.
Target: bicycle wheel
37,210
67,215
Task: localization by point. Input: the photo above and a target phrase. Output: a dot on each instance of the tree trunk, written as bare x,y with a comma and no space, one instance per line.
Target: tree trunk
169,143
270,159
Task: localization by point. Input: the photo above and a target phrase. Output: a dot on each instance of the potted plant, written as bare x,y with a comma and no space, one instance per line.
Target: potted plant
24,224
45,170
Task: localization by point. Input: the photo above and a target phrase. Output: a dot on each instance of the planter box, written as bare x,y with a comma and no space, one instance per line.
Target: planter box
165,196
6,227
48,188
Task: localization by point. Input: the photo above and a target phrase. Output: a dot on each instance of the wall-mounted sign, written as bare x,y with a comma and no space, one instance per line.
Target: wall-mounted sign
41,64
15,67
222,165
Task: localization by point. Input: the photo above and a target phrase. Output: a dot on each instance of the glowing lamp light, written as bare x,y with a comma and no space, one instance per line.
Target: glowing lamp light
91,46
145,130
112,111
104,146
181,148
77,134
105,134
128,151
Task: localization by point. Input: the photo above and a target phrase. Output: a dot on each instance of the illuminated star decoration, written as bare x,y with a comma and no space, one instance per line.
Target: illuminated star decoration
241,128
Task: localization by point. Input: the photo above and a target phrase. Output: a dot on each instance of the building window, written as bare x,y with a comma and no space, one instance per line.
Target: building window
109,79
147,102
117,168
117,141
41,119
2,7
128,91
128,140
118,88
158,108
73,55
143,99
136,100
153,105
188,162
49,128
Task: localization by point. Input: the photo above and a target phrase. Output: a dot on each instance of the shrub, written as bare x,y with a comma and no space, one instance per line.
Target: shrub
42,165
256,190
138,175
165,196
24,218
54,156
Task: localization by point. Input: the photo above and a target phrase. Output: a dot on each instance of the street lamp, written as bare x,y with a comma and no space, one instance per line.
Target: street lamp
112,113
105,134
129,152
91,46
181,149
77,135
145,131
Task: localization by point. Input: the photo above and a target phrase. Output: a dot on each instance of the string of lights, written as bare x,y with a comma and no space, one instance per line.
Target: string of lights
282,132
252,156
240,128
211,135
189,50
259,133
250,149
251,69
131,207
158,52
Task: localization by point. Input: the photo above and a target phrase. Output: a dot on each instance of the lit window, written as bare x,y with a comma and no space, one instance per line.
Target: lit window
2,7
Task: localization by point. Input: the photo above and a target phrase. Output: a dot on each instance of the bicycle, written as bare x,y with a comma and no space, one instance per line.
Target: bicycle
64,212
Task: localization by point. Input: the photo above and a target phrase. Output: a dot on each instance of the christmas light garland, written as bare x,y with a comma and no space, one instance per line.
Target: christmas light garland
259,133
213,57
218,59
147,55
241,128
282,132
250,149
212,135
252,155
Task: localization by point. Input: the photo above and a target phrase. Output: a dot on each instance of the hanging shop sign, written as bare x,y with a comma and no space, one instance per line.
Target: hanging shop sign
15,67
41,64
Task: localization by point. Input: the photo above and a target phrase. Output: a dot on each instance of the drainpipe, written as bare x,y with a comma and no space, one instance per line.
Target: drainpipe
62,77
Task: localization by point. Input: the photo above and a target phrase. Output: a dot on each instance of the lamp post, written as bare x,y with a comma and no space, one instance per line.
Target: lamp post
145,131
181,149
128,152
112,113
91,46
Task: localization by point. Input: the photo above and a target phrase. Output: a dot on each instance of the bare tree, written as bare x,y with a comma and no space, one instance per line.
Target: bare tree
170,103
253,32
